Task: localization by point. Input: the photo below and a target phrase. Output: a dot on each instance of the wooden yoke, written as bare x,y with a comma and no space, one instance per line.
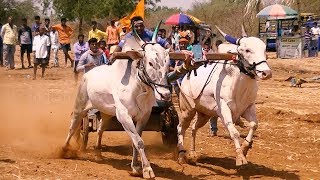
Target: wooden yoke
134,55
209,57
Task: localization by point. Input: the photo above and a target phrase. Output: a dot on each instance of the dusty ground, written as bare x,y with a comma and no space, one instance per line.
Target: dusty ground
35,118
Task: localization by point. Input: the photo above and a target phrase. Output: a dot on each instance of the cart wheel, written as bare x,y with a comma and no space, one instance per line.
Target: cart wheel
84,133
169,132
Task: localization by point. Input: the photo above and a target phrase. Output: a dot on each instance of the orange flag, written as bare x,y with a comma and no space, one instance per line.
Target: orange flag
139,11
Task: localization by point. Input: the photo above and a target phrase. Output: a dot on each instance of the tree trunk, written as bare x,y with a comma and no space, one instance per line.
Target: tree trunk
80,25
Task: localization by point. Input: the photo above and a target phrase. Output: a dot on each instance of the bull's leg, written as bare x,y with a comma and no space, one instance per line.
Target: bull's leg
136,168
184,123
201,120
74,128
249,115
79,112
226,117
128,125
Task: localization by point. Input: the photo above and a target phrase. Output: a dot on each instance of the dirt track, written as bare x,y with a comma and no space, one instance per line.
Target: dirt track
35,119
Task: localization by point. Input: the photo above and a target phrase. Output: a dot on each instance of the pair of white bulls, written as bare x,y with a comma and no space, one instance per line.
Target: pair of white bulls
222,89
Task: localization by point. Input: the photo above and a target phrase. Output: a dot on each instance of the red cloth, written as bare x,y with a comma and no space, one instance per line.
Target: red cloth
106,52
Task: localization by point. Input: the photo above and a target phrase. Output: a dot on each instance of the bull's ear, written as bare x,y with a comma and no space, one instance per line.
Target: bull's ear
134,55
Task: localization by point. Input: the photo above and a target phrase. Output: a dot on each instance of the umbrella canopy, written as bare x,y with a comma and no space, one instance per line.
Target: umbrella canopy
181,19
194,19
277,11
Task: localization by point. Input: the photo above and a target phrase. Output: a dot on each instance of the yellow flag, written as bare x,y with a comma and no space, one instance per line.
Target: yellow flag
139,11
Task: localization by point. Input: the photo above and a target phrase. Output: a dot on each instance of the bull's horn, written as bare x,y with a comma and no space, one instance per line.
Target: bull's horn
243,31
155,33
221,32
227,37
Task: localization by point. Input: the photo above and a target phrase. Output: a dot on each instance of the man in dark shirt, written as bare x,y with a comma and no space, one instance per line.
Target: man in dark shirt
25,42
35,26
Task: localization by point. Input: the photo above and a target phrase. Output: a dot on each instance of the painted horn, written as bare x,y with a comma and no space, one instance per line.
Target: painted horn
155,33
243,31
227,37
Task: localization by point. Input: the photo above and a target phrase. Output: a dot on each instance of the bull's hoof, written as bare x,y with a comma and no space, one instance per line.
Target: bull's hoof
182,159
136,171
68,153
193,155
240,159
245,146
148,173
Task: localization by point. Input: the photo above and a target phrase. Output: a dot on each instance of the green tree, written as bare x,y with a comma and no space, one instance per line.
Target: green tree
87,9
17,9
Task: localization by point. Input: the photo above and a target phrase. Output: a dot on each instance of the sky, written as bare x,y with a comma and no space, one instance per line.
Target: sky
184,4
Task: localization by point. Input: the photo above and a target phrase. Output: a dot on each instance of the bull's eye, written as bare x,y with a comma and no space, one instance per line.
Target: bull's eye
150,63
248,51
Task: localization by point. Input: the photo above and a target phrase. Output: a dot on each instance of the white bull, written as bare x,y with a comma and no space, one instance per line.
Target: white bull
227,90
125,90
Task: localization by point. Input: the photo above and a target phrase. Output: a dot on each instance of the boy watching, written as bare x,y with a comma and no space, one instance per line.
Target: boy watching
40,46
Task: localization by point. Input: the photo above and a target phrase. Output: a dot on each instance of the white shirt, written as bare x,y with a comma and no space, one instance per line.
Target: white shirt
54,40
316,32
39,46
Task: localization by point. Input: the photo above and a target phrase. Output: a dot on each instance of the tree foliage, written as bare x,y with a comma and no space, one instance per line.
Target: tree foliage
17,9
88,9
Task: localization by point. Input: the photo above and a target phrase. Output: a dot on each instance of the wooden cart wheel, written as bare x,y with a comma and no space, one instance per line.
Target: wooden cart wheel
84,133
169,132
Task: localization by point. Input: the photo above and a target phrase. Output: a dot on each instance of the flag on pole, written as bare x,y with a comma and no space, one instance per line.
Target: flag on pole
139,11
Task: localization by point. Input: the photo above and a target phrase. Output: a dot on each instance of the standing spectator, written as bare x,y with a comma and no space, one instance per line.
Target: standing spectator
218,42
183,43
1,48
112,34
103,47
92,58
54,46
40,46
174,35
9,34
123,32
35,26
315,31
47,27
307,39
96,33
79,48
25,41
65,32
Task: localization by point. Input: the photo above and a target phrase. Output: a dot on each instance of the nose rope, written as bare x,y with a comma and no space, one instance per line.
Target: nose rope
145,78
251,69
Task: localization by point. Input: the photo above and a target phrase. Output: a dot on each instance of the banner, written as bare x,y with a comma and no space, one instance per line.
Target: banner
139,11
290,47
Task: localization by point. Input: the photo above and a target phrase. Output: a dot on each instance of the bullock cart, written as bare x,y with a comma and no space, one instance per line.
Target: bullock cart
164,117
